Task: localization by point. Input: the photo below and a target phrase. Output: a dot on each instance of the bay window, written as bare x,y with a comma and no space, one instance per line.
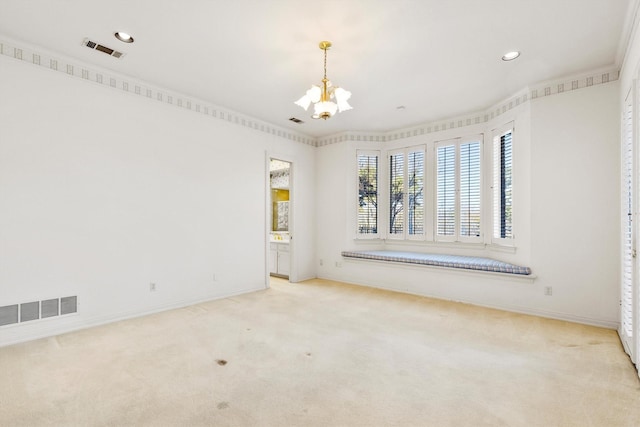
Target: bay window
458,190
406,193
367,193
437,195
503,186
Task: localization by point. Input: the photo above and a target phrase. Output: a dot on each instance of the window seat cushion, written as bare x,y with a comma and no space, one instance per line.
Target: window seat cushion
440,260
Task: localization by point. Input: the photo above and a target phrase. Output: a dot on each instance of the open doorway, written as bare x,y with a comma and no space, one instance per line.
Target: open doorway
279,214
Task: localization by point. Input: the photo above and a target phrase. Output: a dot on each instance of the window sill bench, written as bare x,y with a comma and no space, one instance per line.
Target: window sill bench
448,262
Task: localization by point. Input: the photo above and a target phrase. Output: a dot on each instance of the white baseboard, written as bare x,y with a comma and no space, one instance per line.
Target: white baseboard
47,329
603,323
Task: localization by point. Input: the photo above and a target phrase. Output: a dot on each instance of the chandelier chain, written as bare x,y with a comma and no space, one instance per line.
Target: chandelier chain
325,63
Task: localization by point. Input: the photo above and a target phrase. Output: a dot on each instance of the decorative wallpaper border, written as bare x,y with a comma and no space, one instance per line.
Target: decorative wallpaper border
351,136
114,81
524,96
198,106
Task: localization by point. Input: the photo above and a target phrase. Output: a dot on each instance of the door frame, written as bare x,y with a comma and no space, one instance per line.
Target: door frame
631,343
293,271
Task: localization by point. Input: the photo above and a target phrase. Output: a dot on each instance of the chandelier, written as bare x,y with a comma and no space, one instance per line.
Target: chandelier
327,99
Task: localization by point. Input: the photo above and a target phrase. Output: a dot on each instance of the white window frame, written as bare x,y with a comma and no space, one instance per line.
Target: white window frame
405,196
379,206
497,134
457,237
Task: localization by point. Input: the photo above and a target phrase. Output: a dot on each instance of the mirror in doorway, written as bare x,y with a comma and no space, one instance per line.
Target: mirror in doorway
279,175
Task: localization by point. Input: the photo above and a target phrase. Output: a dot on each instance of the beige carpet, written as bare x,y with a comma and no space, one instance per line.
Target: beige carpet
323,354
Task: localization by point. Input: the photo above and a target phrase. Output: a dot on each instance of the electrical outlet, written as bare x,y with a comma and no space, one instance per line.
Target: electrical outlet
152,287
548,291
321,261
215,277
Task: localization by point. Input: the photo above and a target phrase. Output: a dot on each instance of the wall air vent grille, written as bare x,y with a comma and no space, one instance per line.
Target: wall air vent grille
50,308
97,46
68,305
8,314
34,310
29,311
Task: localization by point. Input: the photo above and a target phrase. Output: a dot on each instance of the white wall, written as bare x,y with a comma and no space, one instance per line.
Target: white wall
103,192
332,162
575,201
579,263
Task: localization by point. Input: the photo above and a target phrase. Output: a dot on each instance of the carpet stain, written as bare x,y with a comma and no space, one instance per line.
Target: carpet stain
223,405
221,362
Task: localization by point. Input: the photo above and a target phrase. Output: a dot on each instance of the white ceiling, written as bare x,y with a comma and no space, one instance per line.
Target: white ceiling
437,58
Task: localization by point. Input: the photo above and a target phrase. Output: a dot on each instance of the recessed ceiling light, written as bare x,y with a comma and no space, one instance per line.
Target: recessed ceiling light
123,37
510,56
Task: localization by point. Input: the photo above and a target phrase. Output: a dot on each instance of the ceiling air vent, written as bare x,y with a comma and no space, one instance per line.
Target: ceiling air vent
294,120
96,46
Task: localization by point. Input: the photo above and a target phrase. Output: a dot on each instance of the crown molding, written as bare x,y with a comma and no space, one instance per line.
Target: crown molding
75,69
628,31
33,55
520,98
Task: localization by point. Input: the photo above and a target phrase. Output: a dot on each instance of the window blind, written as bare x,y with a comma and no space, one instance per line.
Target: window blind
470,189
367,193
502,186
627,225
445,190
396,193
415,190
